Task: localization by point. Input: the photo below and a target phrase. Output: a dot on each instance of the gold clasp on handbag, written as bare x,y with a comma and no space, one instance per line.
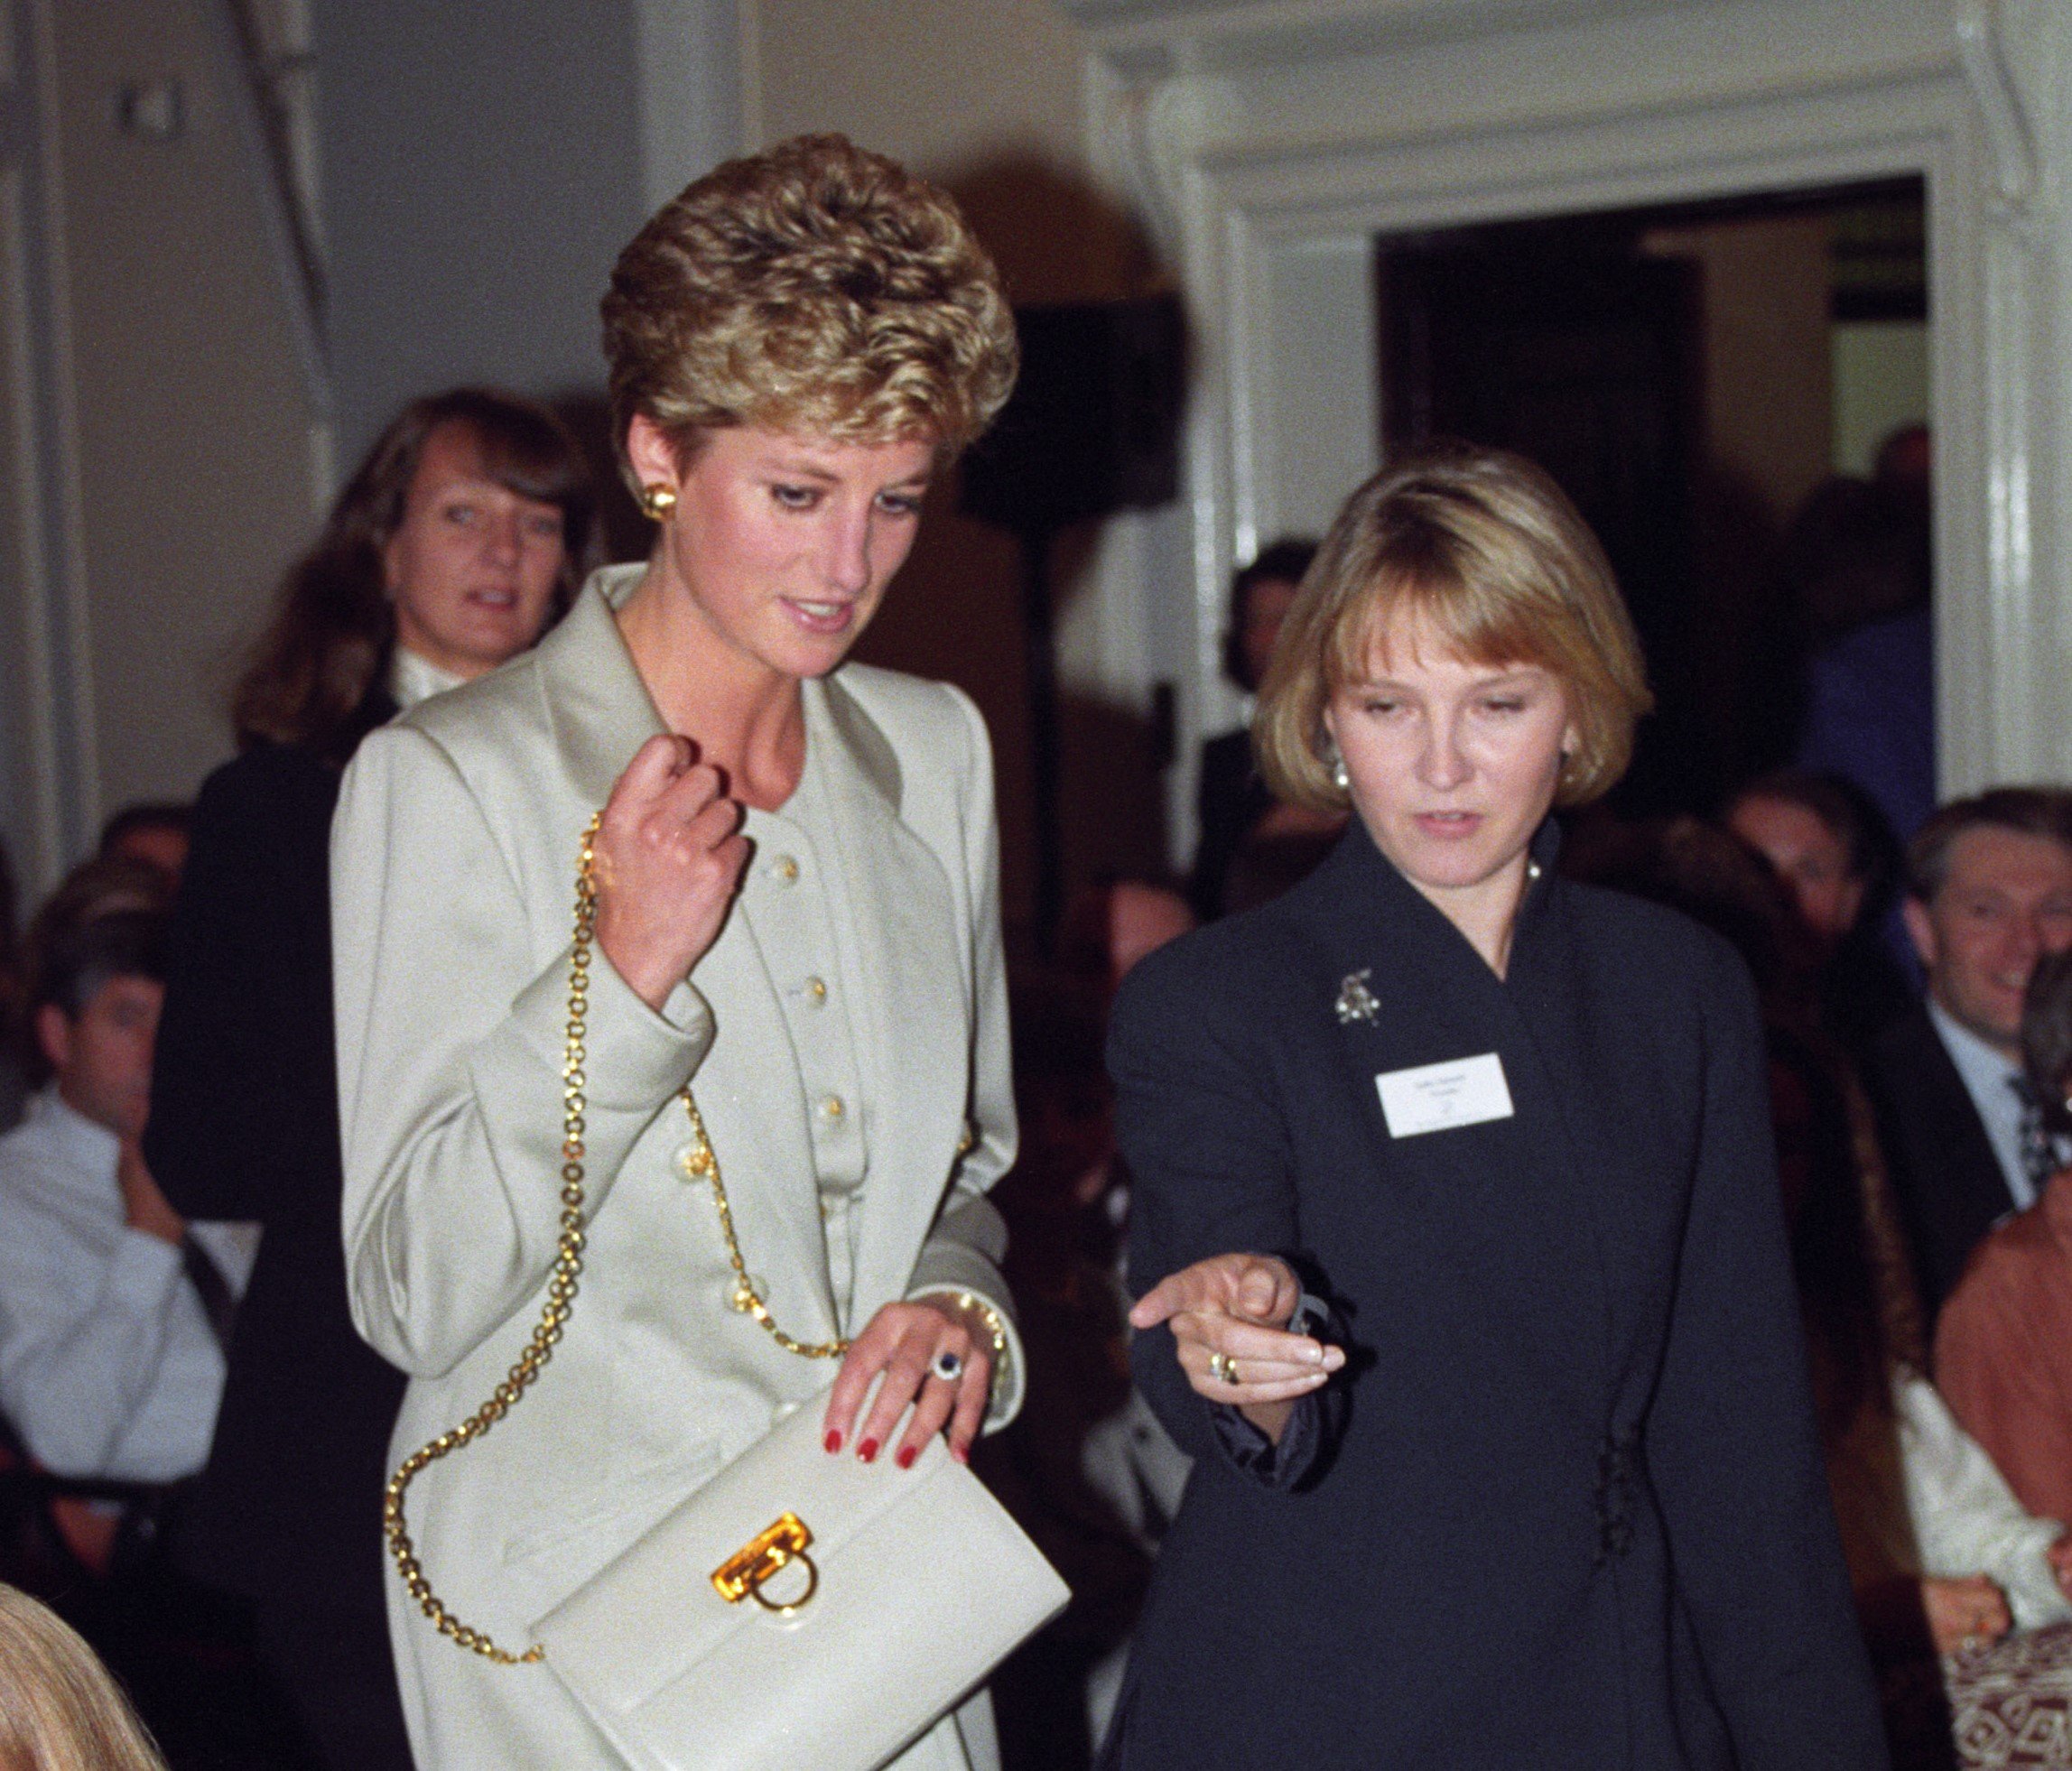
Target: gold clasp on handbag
742,1574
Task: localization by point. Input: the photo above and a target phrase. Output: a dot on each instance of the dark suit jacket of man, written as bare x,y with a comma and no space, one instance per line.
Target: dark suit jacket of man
1565,1508
1229,800
1950,1185
245,1124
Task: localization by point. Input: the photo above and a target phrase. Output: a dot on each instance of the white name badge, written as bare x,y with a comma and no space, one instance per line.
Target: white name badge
1461,1091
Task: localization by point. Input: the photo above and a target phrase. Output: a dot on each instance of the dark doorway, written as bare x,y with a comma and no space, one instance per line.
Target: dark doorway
1603,347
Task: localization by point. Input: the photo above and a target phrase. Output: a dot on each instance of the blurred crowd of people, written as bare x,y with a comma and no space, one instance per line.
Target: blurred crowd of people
193,1438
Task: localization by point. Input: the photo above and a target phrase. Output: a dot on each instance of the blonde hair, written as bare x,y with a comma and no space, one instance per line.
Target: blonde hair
813,288
60,1709
1483,545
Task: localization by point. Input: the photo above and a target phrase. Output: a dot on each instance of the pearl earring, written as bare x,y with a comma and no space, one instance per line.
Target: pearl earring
1339,779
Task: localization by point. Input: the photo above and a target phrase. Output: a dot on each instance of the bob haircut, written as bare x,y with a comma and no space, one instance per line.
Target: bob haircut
308,676
1283,561
816,289
1486,548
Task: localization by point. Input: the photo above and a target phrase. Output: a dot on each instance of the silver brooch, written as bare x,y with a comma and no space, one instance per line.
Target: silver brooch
1355,1000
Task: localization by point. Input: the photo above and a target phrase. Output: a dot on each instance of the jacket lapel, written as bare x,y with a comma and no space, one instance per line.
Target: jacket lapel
1505,1202
755,1109
599,706
897,929
747,1090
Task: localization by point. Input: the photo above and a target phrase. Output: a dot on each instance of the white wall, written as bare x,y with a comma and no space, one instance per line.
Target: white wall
937,83
161,414
481,167
1881,379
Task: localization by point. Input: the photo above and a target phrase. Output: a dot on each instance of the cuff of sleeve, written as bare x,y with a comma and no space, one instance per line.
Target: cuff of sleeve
633,1057
1312,1315
1254,1456
2033,1594
1009,1382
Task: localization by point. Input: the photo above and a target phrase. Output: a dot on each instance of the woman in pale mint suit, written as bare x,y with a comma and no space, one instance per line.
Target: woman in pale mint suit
797,920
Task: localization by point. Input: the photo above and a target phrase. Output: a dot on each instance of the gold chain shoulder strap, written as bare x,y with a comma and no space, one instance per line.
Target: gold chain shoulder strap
701,1162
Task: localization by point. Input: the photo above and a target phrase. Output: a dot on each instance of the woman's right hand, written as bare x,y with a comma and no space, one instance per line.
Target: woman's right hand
1967,1613
1229,1316
669,855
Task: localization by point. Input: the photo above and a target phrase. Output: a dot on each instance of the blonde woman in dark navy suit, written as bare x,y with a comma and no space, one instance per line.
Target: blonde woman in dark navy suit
1457,1230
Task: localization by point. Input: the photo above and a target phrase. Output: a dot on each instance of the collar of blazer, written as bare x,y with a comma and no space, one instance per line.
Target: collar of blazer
1340,901
601,711
898,933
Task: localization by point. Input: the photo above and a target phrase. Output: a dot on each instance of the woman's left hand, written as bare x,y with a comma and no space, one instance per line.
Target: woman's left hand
904,1340
1229,1316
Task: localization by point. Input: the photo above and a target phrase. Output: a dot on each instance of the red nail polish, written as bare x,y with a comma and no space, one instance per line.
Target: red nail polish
867,1450
834,1441
960,1453
907,1453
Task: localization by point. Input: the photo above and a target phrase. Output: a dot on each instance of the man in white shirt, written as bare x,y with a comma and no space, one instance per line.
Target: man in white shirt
1988,891
112,1308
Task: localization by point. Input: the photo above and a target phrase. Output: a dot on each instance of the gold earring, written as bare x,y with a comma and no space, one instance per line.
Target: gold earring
656,501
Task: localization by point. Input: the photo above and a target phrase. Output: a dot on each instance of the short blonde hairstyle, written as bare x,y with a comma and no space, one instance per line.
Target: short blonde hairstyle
59,1709
813,288
1484,546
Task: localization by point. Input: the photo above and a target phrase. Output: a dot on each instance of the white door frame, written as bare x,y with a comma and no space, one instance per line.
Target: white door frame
48,745
1267,144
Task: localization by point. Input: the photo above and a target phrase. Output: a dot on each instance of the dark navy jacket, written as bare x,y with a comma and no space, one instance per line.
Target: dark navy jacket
245,1123
1565,1507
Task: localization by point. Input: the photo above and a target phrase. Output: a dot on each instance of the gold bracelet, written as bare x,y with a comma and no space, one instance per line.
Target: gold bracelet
996,1332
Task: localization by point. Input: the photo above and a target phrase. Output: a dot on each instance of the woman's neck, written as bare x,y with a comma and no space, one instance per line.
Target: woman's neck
1486,913
746,719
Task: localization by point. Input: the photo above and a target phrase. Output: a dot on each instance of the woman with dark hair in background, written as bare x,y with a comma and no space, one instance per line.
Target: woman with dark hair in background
1830,845
464,532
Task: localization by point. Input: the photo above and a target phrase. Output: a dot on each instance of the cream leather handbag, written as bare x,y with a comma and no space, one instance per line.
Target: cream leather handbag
801,1609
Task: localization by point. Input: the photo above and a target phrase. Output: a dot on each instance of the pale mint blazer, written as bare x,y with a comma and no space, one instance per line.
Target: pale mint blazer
453,858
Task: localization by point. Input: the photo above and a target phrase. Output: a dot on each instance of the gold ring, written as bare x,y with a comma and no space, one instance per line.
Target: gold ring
1225,1367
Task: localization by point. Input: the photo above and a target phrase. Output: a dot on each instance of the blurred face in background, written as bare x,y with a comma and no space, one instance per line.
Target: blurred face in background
1809,856
162,846
2006,902
102,1056
472,567
1141,919
1266,603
